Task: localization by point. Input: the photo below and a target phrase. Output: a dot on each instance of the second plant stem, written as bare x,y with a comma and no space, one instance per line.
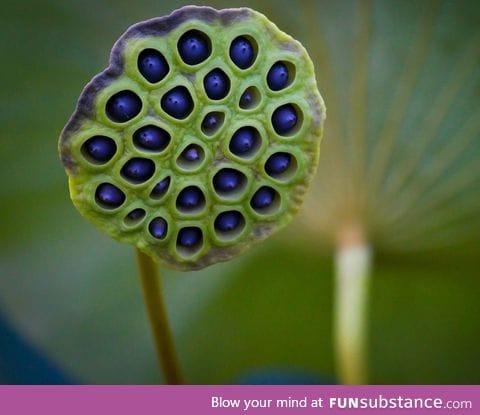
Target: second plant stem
352,276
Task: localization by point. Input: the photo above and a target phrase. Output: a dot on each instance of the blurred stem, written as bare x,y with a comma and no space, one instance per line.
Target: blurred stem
157,314
352,275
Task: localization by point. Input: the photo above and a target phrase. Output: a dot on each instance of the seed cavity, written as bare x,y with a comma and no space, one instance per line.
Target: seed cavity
135,216
212,122
265,200
109,196
177,103
123,106
280,75
243,51
99,149
287,120
250,98
281,165
152,65
151,138
158,228
229,224
190,200
160,188
191,157
245,142
189,241
229,182
138,170
194,47
216,84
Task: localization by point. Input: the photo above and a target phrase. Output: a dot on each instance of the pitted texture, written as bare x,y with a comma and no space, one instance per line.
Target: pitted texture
199,139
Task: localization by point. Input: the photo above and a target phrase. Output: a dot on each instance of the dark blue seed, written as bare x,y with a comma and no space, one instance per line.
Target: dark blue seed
212,122
138,170
228,221
190,198
160,188
189,237
158,228
242,53
228,180
123,106
151,138
246,99
284,118
249,98
136,214
152,65
178,102
243,141
277,163
109,196
263,198
99,148
192,153
277,77
194,47
216,84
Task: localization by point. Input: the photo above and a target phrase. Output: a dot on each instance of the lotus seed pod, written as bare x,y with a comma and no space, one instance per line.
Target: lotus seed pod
199,139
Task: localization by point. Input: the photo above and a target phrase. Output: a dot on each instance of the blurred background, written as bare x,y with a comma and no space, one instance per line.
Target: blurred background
399,166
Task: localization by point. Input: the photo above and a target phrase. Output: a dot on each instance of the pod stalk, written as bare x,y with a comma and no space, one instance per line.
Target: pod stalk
157,314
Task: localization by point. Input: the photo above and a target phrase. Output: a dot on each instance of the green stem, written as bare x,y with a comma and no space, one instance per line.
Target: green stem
352,275
157,313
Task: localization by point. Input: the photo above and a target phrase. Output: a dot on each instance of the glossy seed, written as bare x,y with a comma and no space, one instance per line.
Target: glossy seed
158,228
177,102
192,153
284,119
151,138
243,141
216,84
242,53
228,180
190,198
99,148
277,77
109,196
246,99
138,170
123,106
136,214
160,188
194,47
250,98
263,198
152,65
212,122
228,221
189,237
277,163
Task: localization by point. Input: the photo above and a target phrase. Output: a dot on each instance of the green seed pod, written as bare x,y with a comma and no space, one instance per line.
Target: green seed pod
199,139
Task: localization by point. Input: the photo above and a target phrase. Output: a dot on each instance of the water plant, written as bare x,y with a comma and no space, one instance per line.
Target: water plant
400,174
198,140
